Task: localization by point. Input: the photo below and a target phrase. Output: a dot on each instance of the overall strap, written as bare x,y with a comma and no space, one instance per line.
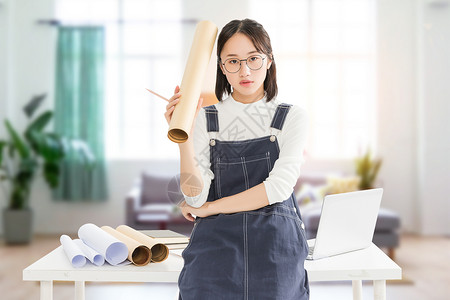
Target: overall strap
212,118
280,115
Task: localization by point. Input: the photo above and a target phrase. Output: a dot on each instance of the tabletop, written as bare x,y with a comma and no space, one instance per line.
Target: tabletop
367,264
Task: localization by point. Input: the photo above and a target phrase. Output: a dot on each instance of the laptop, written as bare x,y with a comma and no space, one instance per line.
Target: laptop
347,223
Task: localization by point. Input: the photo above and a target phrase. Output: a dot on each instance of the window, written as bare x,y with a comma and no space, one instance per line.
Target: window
325,54
324,49
144,50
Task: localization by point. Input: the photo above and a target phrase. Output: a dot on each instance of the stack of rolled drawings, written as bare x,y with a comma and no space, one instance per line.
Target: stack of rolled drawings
115,246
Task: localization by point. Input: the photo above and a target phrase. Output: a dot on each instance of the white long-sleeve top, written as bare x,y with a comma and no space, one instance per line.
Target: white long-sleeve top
239,121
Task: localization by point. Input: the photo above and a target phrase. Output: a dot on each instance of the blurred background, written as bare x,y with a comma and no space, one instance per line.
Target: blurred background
373,75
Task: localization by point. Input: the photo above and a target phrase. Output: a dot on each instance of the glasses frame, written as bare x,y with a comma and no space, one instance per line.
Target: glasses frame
240,63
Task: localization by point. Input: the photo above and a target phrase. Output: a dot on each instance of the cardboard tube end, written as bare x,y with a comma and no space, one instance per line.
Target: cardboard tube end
177,135
141,256
159,252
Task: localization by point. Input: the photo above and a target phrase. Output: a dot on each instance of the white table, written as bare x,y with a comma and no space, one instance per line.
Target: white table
367,264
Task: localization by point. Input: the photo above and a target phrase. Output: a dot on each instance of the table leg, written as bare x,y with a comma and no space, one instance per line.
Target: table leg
79,290
379,289
46,290
357,289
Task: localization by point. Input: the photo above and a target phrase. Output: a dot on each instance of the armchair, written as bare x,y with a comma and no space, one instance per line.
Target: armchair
152,204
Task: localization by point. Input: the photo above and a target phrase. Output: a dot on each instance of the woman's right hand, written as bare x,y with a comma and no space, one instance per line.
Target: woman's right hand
172,102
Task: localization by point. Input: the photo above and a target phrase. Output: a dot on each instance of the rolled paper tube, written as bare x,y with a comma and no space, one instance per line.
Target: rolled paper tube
73,252
93,256
113,250
160,252
191,84
138,254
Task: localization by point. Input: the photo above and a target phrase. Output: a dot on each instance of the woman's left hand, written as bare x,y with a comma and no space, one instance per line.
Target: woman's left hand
188,211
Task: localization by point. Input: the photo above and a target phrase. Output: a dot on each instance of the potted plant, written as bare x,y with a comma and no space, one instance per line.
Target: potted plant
21,157
367,169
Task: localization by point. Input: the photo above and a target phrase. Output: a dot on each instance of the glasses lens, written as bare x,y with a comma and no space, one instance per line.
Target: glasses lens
255,62
232,65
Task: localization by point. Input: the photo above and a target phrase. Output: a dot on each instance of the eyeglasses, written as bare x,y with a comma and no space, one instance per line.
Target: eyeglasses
254,62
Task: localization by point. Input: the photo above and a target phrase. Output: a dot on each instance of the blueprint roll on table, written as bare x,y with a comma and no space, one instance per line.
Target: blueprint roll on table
113,250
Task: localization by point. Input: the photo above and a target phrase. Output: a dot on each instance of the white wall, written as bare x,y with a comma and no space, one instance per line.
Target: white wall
6,71
415,157
433,116
218,12
5,54
397,132
413,93
56,217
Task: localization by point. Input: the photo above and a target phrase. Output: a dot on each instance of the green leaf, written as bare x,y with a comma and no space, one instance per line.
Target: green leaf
26,169
34,103
40,122
58,145
50,148
18,143
37,125
20,192
2,145
51,174
12,150
367,169
46,145
21,183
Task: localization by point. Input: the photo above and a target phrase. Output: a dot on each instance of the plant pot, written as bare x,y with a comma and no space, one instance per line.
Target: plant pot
17,225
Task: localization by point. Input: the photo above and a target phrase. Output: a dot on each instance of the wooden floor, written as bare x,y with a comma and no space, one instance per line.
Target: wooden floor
425,262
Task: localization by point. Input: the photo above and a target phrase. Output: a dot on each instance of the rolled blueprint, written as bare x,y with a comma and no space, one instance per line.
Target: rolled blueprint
113,250
138,254
191,84
93,256
73,252
159,251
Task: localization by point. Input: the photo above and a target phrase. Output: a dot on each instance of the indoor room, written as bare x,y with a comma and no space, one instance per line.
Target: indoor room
84,134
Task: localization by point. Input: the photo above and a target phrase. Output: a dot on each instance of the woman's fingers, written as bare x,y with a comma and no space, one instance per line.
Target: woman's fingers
171,105
184,210
200,104
173,101
187,215
190,217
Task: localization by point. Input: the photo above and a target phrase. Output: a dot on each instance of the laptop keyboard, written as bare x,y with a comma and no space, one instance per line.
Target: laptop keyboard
311,250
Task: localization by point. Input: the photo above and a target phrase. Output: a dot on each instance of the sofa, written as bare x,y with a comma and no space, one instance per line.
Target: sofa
152,203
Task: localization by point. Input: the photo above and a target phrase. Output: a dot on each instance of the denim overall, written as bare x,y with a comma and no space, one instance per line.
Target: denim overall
256,254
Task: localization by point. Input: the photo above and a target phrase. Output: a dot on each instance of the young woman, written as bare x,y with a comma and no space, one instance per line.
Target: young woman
244,153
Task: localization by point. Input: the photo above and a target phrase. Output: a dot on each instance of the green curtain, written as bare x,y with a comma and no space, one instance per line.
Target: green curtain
79,92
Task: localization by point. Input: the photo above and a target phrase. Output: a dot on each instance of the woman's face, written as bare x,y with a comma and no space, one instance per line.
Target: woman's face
248,84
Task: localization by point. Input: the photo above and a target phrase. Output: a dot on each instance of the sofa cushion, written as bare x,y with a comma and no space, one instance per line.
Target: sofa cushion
387,220
157,208
311,217
160,189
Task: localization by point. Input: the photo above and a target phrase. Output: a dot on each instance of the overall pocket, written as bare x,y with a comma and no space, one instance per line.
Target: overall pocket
240,173
191,238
